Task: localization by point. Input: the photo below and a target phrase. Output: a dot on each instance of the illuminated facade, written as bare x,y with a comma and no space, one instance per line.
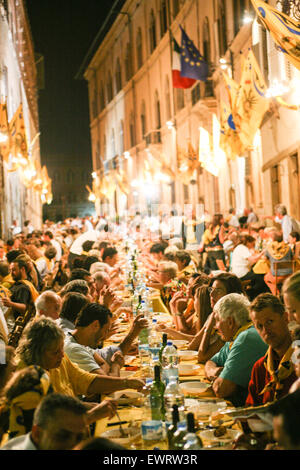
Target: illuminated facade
137,119
18,84
70,196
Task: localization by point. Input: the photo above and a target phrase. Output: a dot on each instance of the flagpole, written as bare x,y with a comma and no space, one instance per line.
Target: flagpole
173,90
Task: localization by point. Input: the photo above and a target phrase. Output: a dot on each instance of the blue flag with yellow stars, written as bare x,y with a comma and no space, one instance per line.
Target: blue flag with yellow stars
193,64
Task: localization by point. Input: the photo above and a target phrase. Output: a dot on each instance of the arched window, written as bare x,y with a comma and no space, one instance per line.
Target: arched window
179,98
206,41
70,176
152,32
139,48
143,119
94,104
109,87
168,99
98,155
157,111
118,76
222,28
104,147
113,144
56,177
128,62
102,96
163,18
121,137
132,130
175,7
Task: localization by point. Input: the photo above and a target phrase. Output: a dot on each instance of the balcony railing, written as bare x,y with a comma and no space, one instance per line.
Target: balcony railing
201,93
153,137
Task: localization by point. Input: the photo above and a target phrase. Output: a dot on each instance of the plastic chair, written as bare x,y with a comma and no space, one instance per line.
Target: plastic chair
278,265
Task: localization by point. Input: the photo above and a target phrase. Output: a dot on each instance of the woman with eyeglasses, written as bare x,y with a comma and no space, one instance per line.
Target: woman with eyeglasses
207,341
184,309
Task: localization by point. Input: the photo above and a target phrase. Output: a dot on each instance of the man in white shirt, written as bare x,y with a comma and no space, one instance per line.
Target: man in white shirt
233,221
49,237
92,326
282,217
59,423
76,247
88,226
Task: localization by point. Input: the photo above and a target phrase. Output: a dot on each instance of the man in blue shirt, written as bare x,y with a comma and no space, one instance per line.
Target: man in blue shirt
230,369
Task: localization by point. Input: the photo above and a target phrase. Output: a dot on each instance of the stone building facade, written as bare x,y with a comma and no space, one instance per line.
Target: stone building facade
18,84
136,116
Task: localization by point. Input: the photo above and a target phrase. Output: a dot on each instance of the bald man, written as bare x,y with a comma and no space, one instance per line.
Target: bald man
48,304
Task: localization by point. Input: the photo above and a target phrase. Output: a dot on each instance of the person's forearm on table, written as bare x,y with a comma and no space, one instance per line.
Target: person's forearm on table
223,388
211,369
107,384
173,334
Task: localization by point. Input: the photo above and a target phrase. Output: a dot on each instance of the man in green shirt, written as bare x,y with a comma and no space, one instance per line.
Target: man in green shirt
230,369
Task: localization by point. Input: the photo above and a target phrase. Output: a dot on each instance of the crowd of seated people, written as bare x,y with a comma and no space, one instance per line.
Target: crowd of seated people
60,301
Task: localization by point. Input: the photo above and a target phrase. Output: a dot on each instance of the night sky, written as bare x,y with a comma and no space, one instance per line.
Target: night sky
63,31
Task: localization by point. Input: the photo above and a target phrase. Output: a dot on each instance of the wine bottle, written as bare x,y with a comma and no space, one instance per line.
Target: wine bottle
177,443
191,441
164,344
173,427
157,396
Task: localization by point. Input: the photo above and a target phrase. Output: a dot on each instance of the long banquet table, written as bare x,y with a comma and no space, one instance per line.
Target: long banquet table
134,412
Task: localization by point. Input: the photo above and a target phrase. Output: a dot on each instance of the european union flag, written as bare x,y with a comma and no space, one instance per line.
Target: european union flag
193,64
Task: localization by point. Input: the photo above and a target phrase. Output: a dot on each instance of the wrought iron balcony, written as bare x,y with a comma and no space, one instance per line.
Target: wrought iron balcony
201,93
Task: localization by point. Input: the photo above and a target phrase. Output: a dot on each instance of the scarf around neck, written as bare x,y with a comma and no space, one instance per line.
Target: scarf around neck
278,250
284,370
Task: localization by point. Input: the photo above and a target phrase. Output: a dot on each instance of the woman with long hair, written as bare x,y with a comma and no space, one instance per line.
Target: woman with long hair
212,244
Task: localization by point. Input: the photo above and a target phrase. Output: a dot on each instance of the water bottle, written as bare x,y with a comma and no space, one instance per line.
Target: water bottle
145,358
144,336
169,362
154,339
147,404
172,397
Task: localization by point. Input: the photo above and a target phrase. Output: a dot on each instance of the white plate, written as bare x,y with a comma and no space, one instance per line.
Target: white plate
188,369
193,388
230,436
115,435
129,359
126,373
187,355
126,397
206,408
179,343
